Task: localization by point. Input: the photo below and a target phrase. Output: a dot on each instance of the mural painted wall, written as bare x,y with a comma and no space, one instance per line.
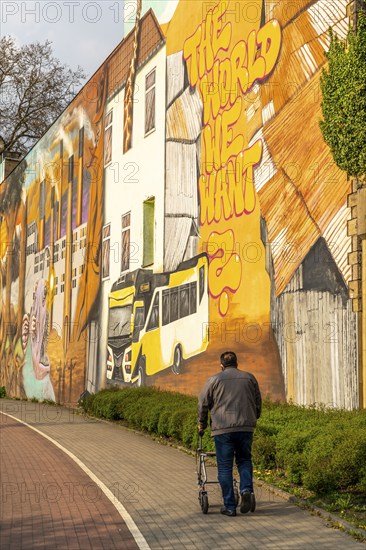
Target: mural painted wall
184,204
49,254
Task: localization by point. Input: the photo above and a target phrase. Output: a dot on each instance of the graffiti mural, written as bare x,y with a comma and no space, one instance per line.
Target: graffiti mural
46,315
186,203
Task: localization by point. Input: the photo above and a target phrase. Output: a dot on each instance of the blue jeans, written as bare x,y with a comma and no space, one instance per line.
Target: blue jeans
228,445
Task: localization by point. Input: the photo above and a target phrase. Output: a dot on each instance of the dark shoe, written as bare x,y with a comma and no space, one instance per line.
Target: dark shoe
227,512
245,502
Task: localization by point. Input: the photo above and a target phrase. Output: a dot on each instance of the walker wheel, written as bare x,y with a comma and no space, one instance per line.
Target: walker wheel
204,502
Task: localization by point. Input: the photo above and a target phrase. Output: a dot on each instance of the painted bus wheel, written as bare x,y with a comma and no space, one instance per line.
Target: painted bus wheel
178,360
141,374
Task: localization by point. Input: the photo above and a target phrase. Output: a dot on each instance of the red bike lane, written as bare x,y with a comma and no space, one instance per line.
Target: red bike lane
48,501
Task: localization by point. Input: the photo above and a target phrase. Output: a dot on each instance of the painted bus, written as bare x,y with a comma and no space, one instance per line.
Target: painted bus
157,320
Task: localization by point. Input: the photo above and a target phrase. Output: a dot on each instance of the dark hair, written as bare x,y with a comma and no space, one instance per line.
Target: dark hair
228,359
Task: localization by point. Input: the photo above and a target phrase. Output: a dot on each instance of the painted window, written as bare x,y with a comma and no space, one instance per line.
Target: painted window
32,239
126,232
82,242
74,241
63,249
108,138
139,323
184,301
150,102
41,261
179,302
153,322
55,252
74,275
106,251
149,223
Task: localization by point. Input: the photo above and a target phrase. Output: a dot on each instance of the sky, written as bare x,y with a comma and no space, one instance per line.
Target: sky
82,32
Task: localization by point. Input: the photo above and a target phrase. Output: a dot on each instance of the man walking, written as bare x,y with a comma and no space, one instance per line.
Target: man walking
234,399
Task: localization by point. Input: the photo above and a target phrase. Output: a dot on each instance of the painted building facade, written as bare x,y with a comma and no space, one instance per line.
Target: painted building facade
150,232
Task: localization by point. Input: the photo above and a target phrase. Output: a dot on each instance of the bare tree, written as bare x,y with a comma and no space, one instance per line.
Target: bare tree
35,87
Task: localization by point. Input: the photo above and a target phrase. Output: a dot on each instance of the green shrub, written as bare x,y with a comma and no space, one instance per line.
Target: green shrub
291,444
349,459
319,475
264,451
2,392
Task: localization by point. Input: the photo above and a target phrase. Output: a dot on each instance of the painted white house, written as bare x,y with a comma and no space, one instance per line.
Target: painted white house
133,210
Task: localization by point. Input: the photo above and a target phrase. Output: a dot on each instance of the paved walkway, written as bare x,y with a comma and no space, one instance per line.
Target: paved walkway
156,485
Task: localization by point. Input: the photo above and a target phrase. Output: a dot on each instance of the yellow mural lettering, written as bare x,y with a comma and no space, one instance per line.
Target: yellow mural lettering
206,188
269,36
211,142
190,55
225,78
231,147
205,51
240,76
256,63
225,267
229,190
202,47
221,197
226,185
230,77
235,185
209,88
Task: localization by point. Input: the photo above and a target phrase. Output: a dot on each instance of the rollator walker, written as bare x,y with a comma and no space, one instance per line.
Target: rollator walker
202,481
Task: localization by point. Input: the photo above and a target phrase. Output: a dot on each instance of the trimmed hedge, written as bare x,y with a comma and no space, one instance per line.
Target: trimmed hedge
321,450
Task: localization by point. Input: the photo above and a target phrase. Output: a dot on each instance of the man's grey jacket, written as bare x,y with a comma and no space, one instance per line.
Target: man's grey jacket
234,399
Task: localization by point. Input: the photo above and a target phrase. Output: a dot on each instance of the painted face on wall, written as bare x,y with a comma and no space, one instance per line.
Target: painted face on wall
36,325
